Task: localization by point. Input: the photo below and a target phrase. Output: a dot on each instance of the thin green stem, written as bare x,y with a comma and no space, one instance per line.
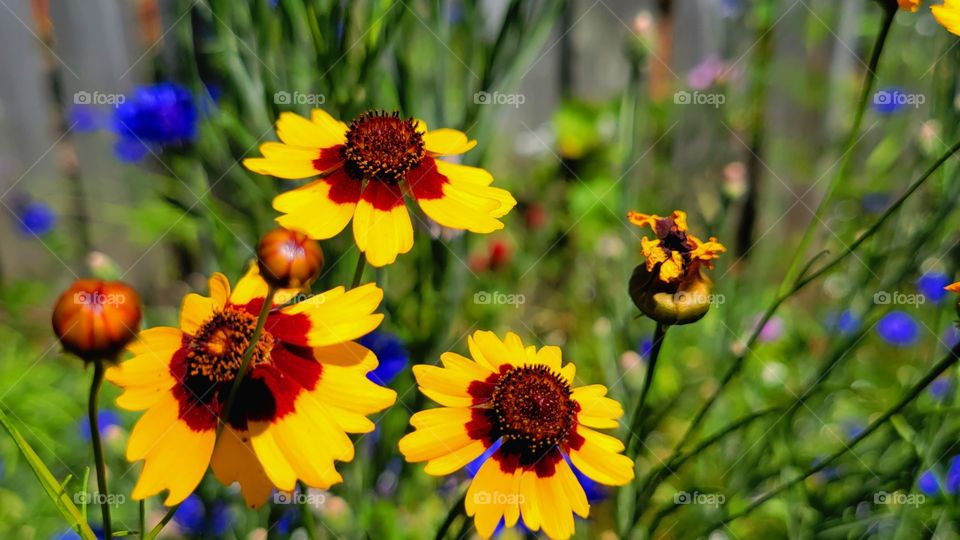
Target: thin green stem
869,78
308,523
458,509
636,421
143,517
915,391
163,523
102,491
358,272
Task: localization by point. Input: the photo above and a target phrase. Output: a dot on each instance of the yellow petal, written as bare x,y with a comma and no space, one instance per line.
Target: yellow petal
235,461
296,130
337,316
314,210
382,233
446,142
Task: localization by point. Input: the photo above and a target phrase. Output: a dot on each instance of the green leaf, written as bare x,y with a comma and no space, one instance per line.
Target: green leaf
48,481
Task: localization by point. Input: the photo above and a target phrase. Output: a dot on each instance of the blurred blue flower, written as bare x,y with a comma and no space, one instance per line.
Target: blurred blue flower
35,218
953,475
931,286
928,483
898,329
844,323
83,118
194,519
940,388
474,466
288,520
106,418
154,116
391,355
951,336
889,100
874,203
645,347
70,534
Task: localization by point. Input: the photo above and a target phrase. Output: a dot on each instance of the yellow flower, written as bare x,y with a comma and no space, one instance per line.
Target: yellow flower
678,253
365,171
909,5
306,388
520,402
948,15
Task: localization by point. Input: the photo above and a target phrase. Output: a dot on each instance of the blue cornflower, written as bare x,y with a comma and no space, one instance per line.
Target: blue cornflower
195,519
898,329
928,483
84,118
645,347
154,116
844,323
931,286
940,388
106,418
35,218
391,355
889,100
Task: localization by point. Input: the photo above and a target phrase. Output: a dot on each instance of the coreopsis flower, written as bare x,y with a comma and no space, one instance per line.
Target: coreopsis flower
524,400
365,172
954,288
948,15
306,388
96,319
671,287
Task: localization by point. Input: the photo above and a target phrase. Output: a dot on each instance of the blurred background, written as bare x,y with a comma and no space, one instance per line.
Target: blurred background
122,124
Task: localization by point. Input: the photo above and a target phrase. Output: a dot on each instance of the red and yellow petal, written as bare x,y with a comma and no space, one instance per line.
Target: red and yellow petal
235,461
321,131
321,208
600,459
381,224
146,378
333,317
175,456
441,439
492,495
345,392
459,197
290,162
447,142
597,410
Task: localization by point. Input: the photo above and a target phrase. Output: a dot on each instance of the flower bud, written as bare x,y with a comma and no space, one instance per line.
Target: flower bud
289,259
673,304
96,319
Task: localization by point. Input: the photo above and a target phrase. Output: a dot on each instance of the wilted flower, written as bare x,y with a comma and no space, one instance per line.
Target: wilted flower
96,319
672,287
523,399
909,5
365,171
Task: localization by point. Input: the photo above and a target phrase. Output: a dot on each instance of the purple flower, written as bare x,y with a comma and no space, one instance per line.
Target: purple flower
898,329
773,330
704,74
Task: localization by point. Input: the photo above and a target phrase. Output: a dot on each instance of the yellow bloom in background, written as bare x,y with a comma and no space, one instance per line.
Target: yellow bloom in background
948,15
909,5
679,253
365,172
306,388
521,402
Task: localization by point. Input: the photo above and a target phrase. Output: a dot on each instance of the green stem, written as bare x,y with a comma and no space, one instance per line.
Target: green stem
358,272
143,518
163,522
308,522
915,391
103,491
737,364
636,421
869,78
458,509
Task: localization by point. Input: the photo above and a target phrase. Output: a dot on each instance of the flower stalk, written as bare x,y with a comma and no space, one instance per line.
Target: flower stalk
93,411
636,422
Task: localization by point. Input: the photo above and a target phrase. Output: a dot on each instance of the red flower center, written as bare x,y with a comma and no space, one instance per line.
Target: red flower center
382,146
532,410
216,350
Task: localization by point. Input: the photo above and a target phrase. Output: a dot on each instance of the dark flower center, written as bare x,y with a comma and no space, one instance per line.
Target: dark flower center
673,239
382,146
216,350
532,410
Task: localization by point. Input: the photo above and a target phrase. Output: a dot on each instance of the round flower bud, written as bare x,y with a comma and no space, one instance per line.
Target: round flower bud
289,259
96,319
674,304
